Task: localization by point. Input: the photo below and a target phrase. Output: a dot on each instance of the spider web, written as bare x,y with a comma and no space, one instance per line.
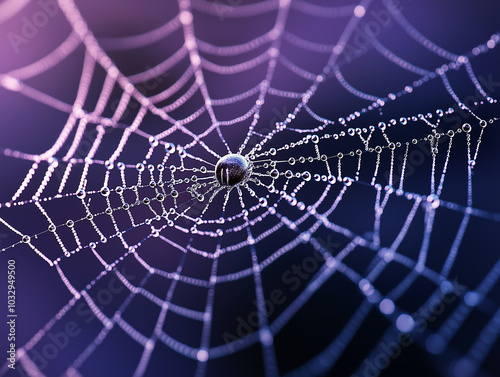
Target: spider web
359,203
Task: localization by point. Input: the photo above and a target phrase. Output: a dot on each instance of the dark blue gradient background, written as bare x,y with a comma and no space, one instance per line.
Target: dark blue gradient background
31,127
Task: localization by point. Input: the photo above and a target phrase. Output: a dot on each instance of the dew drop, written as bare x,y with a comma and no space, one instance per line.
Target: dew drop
170,148
109,165
232,169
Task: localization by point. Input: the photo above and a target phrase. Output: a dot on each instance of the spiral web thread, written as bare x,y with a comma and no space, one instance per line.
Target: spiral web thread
184,179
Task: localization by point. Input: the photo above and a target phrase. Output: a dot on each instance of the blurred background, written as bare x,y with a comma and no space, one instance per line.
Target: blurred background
32,121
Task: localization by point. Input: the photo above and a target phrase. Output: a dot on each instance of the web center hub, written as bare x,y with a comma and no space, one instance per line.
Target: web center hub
232,169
